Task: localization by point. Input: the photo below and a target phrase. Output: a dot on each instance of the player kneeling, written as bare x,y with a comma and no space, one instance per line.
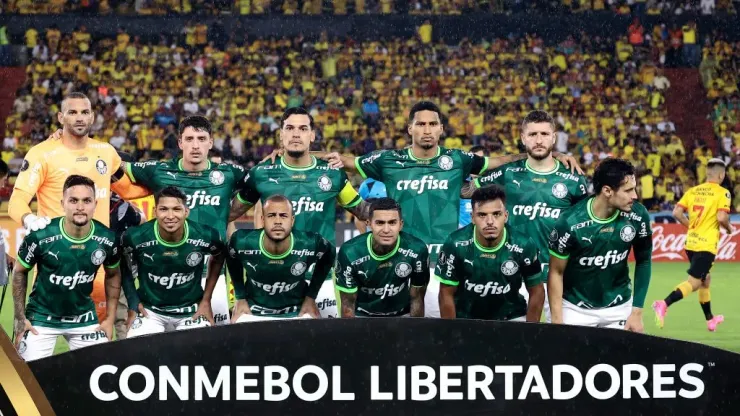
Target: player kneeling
589,282
67,255
482,266
385,272
168,254
285,268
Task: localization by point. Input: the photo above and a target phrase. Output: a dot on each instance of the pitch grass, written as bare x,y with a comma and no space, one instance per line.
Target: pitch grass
685,320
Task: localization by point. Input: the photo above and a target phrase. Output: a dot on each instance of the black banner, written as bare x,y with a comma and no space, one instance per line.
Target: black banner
393,367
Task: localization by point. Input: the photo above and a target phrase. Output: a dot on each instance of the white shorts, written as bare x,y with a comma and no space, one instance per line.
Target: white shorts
245,317
155,323
614,317
519,319
326,300
220,300
431,299
33,347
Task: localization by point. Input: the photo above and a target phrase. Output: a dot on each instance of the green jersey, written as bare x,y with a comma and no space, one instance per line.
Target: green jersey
428,190
597,275
66,269
535,200
312,190
277,285
169,273
488,279
382,283
208,192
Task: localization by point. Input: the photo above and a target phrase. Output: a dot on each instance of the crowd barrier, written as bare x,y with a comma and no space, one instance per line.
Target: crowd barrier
394,366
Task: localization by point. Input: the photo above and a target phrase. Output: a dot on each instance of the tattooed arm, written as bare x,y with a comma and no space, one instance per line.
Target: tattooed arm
348,304
20,287
361,211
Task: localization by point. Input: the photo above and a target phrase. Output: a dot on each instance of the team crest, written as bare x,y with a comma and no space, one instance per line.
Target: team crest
560,190
22,347
193,259
403,269
445,162
137,323
554,235
324,183
509,267
98,257
24,165
627,234
216,177
101,166
297,269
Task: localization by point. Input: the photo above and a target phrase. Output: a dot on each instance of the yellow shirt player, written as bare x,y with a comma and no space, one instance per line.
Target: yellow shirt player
48,164
708,209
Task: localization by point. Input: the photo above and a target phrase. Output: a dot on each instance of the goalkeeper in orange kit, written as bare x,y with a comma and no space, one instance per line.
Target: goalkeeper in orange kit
708,208
48,164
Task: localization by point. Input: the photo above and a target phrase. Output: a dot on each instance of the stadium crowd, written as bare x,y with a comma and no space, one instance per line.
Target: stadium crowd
607,96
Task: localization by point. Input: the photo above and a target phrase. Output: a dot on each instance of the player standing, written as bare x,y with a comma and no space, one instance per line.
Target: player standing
69,152
482,265
68,253
466,208
428,181
385,272
589,283
538,189
208,187
312,186
169,254
285,268
708,208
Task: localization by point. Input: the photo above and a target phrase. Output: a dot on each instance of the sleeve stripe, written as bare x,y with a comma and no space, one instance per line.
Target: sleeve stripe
723,209
26,265
130,173
485,166
681,205
359,169
118,263
242,200
447,282
346,290
354,203
560,256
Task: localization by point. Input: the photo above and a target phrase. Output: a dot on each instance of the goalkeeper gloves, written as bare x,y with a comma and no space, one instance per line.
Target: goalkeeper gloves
35,223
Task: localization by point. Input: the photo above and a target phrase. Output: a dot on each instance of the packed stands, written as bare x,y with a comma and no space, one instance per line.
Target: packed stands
608,97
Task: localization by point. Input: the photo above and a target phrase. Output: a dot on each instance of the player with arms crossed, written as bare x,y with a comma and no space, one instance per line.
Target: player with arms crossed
310,183
708,207
482,265
385,272
427,180
169,254
538,189
589,283
285,268
208,187
70,151
67,253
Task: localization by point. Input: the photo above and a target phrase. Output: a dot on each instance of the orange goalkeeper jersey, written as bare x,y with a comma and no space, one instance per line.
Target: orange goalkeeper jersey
48,164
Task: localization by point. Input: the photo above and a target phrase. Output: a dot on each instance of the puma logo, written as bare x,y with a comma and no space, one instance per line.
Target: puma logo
273,180
362,273
149,256
403,164
173,174
56,255
587,239
252,266
519,185
468,261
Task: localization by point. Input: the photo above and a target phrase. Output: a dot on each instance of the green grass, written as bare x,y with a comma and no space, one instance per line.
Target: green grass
685,320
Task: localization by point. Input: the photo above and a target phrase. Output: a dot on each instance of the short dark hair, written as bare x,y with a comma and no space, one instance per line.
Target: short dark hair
300,111
539,116
424,106
3,168
170,192
487,194
73,96
384,204
198,122
475,149
78,180
716,163
611,172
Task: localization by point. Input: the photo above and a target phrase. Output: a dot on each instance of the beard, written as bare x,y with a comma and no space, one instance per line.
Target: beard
295,154
274,239
548,152
80,223
79,131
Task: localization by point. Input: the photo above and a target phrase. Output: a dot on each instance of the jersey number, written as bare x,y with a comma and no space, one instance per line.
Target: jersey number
696,220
